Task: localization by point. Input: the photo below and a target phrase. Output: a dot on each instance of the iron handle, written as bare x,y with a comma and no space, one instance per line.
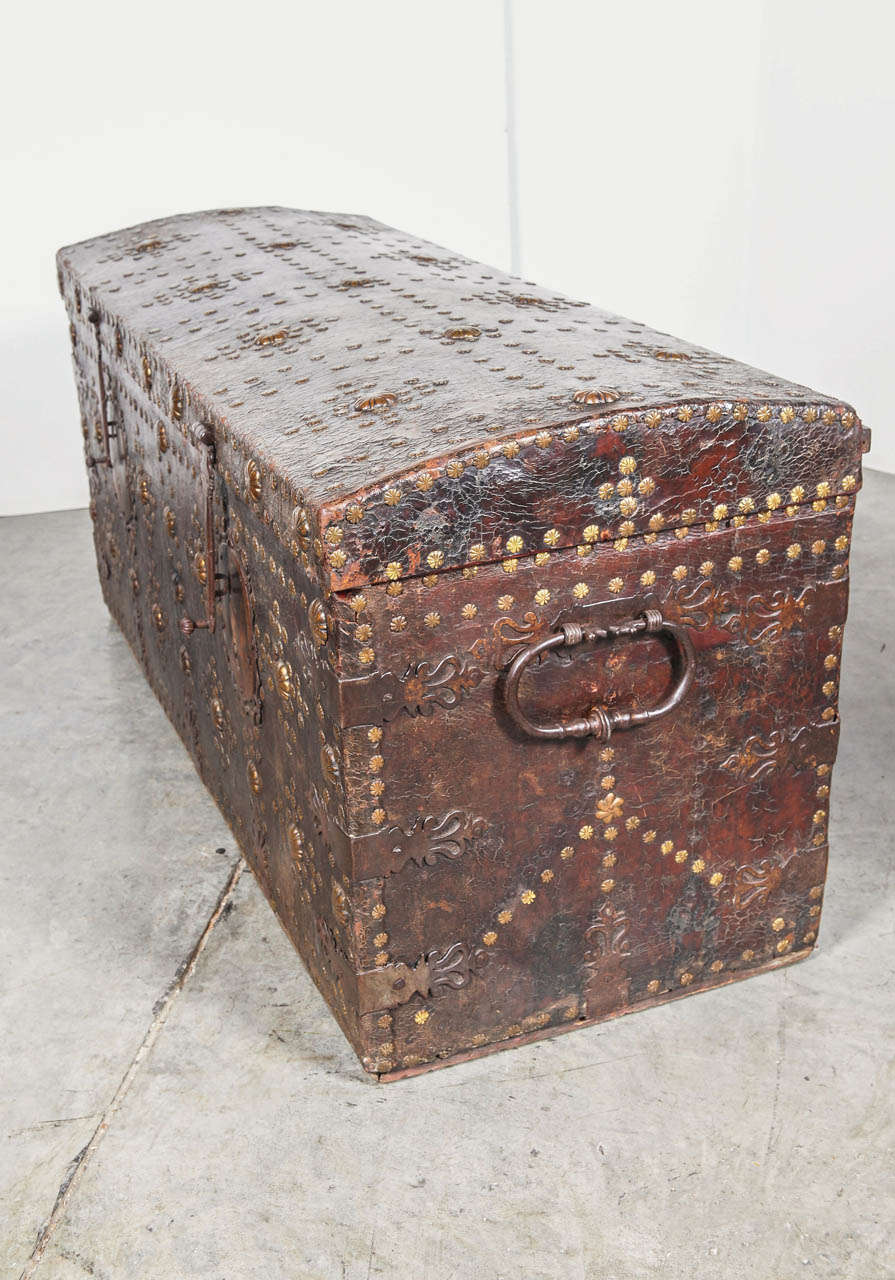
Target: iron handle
600,722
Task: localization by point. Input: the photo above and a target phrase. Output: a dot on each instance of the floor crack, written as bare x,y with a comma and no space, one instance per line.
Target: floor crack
160,1011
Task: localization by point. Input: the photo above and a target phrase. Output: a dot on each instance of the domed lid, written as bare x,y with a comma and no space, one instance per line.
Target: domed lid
394,409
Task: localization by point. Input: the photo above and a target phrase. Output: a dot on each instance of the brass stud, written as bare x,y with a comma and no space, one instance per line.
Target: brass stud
253,479
284,680
371,404
318,623
595,396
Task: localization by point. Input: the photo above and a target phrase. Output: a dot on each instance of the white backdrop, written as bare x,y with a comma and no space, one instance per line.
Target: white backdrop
723,172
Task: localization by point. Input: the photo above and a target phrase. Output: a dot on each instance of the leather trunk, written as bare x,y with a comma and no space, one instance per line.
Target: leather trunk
504,631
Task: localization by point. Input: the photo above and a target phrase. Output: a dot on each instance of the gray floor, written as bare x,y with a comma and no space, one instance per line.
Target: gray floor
177,1102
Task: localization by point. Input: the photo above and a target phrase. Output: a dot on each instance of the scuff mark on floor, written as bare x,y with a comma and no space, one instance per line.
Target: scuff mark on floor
160,1011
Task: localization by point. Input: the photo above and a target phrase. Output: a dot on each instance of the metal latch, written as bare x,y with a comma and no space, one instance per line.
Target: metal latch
107,427
203,437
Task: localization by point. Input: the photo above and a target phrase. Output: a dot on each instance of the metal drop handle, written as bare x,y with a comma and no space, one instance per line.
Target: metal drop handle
600,722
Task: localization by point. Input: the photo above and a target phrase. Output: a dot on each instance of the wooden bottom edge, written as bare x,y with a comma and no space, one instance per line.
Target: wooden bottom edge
482,1051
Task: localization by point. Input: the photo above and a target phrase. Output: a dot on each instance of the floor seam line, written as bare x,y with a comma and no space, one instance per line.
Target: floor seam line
160,1010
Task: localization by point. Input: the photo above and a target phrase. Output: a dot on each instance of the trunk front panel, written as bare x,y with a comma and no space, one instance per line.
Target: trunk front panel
552,881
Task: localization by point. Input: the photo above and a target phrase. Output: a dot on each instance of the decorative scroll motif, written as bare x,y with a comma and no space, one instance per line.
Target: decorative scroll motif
766,618
452,968
703,604
507,637
755,882
424,687
758,756
608,934
509,632
448,836
755,757
432,975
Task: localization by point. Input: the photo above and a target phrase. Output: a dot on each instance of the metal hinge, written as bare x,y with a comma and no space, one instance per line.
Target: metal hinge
423,687
432,975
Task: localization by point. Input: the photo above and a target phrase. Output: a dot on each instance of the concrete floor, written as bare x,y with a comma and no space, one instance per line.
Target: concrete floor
177,1102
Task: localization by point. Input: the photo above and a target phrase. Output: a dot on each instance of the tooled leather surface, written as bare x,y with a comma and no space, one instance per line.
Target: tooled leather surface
275,323
618,476
596,876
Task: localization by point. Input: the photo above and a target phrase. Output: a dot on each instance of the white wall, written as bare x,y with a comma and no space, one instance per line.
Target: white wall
723,172
117,112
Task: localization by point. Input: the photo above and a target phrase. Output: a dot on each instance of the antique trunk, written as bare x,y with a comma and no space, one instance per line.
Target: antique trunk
505,632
